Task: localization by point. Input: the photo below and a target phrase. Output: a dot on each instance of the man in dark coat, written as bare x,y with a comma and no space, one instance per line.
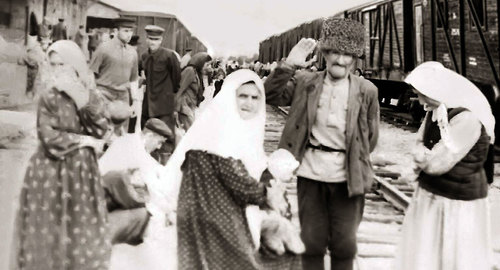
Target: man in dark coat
331,129
59,31
163,75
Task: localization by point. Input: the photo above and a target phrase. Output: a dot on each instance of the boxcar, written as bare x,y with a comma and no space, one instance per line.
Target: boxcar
400,34
176,36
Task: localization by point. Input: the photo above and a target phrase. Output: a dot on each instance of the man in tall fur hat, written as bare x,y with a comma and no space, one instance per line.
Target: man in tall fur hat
331,129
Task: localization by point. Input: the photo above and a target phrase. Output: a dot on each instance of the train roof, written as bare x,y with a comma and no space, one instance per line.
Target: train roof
290,29
148,14
367,5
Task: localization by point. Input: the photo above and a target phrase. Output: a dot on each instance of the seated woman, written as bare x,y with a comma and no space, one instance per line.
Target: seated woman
219,161
447,223
62,219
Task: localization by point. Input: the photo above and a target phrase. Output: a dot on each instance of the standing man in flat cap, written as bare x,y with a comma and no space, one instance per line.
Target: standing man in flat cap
37,62
331,129
163,75
115,65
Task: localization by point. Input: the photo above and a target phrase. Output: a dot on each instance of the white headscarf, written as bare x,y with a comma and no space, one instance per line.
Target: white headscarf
220,130
435,81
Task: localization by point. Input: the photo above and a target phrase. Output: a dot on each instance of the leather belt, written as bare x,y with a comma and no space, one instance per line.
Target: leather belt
324,148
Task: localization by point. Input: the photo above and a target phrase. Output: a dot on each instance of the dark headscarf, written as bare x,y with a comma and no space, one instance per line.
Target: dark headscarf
198,60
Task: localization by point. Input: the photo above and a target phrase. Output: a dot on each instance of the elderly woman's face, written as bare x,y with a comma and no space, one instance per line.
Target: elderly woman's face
58,68
428,103
55,60
248,100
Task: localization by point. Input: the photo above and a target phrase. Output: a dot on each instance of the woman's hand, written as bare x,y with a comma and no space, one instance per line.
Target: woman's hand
96,144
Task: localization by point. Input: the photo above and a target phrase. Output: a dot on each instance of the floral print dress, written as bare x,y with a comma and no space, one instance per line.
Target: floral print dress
62,220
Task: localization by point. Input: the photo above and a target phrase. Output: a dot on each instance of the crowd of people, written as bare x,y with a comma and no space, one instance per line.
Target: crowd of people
131,145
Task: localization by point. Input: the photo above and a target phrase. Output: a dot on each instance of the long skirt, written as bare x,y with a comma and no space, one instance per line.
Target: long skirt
440,233
62,218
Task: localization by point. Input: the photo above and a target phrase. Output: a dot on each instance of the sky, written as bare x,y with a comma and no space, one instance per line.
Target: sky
235,27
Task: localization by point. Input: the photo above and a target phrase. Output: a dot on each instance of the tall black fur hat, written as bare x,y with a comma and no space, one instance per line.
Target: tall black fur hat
342,36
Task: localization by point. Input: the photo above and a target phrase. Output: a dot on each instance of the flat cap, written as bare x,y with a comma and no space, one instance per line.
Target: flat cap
124,22
343,36
159,127
154,31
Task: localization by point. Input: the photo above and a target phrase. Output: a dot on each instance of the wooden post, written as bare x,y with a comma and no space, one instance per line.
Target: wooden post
433,29
461,16
408,36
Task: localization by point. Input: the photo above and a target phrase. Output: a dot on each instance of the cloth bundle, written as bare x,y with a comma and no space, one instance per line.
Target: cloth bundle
277,232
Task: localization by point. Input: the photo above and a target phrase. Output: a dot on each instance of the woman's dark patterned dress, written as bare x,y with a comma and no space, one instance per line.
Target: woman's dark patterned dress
212,228
62,220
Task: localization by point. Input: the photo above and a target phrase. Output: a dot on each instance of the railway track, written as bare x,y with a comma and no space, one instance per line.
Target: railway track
379,231
399,119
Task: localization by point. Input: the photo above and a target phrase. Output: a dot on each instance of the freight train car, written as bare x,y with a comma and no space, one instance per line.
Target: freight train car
400,34
176,36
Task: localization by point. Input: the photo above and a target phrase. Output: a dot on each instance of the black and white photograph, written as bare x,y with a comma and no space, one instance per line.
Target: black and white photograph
249,135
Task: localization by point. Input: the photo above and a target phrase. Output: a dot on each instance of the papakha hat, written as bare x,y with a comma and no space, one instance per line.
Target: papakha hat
159,127
342,36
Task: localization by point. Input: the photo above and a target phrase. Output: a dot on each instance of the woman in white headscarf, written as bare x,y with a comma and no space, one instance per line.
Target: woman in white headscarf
447,225
62,219
219,161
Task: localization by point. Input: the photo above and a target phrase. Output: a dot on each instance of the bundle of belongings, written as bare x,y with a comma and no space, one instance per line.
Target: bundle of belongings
272,229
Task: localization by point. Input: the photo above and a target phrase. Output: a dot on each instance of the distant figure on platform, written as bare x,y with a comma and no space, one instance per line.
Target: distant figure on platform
163,75
219,80
46,23
82,40
447,225
331,129
115,64
59,31
37,61
185,59
63,221
191,89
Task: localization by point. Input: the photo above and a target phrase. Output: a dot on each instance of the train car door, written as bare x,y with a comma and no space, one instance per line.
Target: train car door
419,31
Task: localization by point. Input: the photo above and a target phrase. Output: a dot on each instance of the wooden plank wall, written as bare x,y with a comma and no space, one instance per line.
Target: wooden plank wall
478,70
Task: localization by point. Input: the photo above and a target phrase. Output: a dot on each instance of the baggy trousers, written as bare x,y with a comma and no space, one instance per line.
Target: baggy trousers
329,218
